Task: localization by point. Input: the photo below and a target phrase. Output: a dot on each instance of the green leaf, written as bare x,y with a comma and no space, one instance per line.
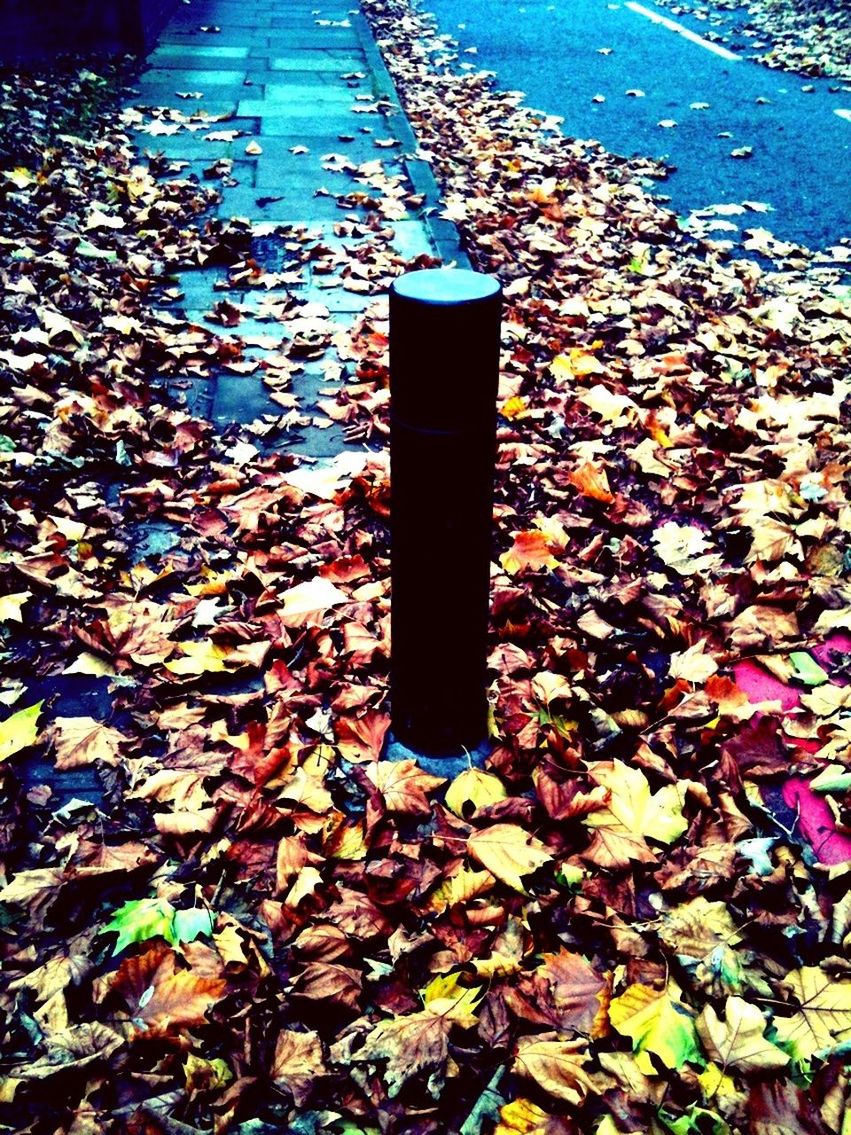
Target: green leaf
187,925
807,670
656,1023
141,919
698,1121
19,731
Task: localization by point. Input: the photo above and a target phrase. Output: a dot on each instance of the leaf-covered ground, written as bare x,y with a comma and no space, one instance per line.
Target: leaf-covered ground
637,917
809,37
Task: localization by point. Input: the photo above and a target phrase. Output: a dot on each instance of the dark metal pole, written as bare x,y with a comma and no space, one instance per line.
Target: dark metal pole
444,373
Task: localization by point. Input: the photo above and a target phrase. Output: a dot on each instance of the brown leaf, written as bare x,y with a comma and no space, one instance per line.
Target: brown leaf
297,1063
80,741
403,786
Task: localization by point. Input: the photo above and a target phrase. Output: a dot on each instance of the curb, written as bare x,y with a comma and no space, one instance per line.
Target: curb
443,233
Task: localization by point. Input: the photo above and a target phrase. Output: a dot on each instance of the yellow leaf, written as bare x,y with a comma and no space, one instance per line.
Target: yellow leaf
473,789
655,1024
698,927
738,1041
522,1117
204,657
10,606
19,731
459,888
509,853
632,807
576,364
444,996
514,408
823,1017
556,1067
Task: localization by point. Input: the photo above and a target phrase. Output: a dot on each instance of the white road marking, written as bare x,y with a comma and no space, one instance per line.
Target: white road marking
846,114
686,33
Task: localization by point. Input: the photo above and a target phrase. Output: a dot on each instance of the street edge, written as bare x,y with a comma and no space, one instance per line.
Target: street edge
443,233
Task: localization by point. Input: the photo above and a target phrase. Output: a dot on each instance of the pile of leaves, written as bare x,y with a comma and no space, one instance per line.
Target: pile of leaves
637,916
810,37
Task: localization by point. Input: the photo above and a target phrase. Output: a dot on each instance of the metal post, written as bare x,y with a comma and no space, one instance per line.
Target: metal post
444,373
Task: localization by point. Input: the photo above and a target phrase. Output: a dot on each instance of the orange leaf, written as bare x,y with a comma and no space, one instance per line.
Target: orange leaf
591,482
161,997
530,551
404,785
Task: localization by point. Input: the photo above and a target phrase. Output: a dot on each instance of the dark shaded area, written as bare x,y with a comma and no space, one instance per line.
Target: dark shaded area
30,32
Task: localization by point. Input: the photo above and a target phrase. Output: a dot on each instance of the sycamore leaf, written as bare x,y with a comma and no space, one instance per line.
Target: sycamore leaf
139,920
522,1117
685,549
306,603
193,923
556,1067
297,1062
509,853
531,551
80,741
410,1045
632,807
457,1002
591,482
473,789
823,1017
739,1041
19,731
403,785
656,1024
205,657
162,997
697,927
696,1121
694,664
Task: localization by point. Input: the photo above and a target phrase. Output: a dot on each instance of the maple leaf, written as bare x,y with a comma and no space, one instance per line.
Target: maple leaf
509,853
403,785
556,1066
568,994
297,1062
657,1024
80,741
823,1017
685,549
739,1041
410,1045
632,811
531,551
159,996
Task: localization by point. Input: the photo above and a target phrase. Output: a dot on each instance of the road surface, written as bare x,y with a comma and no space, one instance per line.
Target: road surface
579,58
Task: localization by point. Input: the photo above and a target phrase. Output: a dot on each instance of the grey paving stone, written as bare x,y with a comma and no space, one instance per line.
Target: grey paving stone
191,78
319,60
333,96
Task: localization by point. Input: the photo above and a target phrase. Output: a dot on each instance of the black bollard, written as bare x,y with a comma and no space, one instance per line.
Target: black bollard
444,374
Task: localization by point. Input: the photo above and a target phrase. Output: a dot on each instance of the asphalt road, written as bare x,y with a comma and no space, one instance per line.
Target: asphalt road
565,53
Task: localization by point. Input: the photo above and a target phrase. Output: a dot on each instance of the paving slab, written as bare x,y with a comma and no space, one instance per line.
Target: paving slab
304,83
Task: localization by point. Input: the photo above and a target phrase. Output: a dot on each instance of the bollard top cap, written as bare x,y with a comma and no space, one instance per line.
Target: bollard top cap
446,286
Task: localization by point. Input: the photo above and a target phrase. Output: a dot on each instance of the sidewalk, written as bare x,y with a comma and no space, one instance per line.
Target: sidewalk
305,124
